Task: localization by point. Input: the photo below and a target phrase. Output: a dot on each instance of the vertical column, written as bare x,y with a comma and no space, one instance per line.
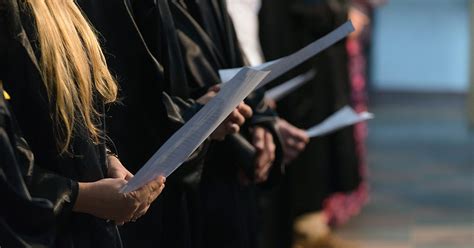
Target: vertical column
471,83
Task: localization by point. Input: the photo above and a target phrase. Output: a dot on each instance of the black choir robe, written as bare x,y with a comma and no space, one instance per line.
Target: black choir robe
329,164
53,181
146,117
228,207
18,207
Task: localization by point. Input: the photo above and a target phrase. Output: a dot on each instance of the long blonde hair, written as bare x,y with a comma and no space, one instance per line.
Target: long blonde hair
72,65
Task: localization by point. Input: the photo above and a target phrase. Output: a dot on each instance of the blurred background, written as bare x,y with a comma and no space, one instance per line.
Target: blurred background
411,63
420,146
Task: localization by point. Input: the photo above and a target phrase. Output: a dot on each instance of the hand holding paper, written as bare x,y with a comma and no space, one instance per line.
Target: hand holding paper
342,118
187,139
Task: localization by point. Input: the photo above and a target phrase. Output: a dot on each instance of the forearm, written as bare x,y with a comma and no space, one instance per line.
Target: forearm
85,200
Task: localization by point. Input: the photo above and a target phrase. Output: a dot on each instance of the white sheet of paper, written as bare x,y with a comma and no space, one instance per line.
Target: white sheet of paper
278,92
342,118
187,139
283,65
228,74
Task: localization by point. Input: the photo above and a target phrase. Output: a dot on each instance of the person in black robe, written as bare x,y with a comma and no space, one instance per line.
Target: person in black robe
228,192
150,112
329,164
18,207
59,178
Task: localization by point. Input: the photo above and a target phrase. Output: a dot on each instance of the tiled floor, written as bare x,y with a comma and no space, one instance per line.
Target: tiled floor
421,158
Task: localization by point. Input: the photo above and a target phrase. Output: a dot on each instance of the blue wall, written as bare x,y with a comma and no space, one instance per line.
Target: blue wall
422,45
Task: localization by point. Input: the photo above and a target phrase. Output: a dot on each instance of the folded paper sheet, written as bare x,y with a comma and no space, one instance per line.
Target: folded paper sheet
285,64
278,92
193,133
342,118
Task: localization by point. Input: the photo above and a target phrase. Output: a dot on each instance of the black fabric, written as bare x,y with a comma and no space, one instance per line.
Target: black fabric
56,176
147,116
209,43
329,163
18,207
202,55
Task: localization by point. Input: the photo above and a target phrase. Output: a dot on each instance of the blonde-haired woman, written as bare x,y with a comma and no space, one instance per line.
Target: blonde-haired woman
53,68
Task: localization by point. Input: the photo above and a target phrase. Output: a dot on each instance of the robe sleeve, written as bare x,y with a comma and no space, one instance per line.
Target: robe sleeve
44,196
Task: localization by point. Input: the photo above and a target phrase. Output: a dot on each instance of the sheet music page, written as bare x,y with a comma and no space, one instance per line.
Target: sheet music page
283,65
227,74
193,133
278,92
342,118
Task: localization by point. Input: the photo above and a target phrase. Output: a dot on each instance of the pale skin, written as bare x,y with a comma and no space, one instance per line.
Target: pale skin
262,140
359,20
103,198
294,140
265,146
233,122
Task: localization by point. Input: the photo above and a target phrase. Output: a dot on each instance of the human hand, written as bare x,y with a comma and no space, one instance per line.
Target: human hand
294,140
116,169
265,147
104,200
233,122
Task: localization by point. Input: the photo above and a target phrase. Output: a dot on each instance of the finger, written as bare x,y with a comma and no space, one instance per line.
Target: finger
263,174
300,146
265,170
140,213
260,161
162,180
232,128
270,146
128,176
143,192
157,189
215,88
245,110
258,138
298,134
157,193
301,135
237,118
155,186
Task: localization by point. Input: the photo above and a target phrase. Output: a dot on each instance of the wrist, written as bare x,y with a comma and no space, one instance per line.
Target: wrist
84,199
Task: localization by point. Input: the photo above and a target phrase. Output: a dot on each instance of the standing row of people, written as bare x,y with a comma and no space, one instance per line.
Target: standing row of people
64,65
92,88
